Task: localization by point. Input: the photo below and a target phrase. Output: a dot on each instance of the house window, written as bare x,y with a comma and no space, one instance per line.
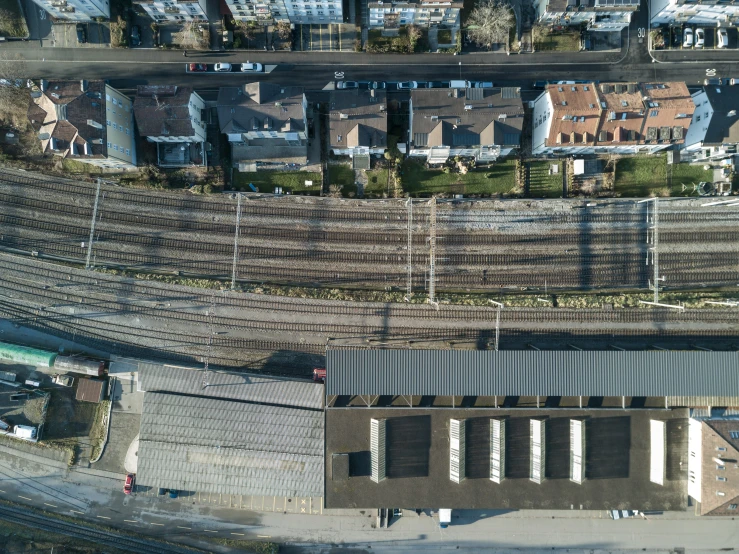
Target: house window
734,434
733,506
128,152
108,122
108,145
127,131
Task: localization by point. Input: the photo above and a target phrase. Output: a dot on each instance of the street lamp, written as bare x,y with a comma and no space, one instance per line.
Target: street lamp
497,322
460,71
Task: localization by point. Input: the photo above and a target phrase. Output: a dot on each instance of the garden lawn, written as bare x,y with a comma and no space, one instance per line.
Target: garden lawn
12,22
640,176
444,36
343,176
266,181
686,175
543,185
376,183
568,41
419,181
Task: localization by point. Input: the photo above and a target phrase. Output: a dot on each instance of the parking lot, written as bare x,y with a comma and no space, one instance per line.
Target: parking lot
325,38
675,37
21,404
96,35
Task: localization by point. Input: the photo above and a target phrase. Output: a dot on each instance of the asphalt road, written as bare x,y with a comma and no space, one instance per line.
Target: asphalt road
127,68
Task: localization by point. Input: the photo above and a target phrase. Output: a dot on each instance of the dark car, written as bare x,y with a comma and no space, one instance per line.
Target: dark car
162,491
438,84
172,493
81,33
197,67
135,35
539,85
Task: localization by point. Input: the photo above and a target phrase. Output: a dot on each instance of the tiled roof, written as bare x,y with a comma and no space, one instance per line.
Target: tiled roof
163,111
359,117
471,117
224,447
717,496
724,125
260,106
610,114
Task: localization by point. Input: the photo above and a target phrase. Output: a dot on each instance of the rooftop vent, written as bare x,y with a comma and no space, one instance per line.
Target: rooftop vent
468,107
732,113
434,118
343,116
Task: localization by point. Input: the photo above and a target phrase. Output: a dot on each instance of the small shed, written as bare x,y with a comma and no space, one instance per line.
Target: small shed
90,390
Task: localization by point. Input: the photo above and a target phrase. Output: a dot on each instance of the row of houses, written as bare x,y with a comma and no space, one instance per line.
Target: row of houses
92,122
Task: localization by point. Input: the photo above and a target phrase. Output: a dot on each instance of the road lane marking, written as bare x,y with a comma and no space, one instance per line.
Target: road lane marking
264,536
76,512
159,524
239,534
103,517
130,521
179,527
52,505
25,498
2,491
209,531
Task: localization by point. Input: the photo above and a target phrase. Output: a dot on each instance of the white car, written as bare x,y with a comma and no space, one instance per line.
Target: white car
347,85
687,37
722,38
222,67
251,67
407,85
700,38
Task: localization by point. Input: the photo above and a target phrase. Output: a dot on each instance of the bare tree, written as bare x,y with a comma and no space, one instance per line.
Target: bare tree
191,37
283,30
414,33
490,22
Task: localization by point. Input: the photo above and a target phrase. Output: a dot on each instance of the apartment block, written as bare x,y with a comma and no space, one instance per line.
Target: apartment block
426,13
294,11
710,13
714,130
597,15
619,118
76,10
163,11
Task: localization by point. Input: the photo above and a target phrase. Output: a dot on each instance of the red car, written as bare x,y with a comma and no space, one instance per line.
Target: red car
195,67
130,480
319,374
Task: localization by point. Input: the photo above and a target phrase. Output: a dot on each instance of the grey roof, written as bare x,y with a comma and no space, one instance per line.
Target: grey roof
724,125
280,107
358,118
248,387
163,110
485,116
225,447
531,373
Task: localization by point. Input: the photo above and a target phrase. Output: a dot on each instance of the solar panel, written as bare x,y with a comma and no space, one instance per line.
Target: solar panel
657,446
577,451
457,450
377,449
465,139
497,450
538,450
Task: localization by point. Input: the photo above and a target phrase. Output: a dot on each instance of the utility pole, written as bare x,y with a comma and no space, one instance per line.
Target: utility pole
211,312
654,248
92,226
409,290
432,254
236,242
497,322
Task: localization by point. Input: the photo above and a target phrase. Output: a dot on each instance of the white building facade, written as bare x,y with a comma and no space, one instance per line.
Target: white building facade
294,11
391,15
710,13
173,10
602,15
76,10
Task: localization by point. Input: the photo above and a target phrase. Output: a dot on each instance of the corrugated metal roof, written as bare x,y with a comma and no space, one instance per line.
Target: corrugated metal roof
532,373
235,386
219,446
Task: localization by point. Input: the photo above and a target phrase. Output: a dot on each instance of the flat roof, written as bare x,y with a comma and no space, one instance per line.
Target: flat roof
531,373
617,460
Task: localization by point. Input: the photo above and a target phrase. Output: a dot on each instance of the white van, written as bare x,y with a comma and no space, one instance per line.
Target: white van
733,81
24,431
459,84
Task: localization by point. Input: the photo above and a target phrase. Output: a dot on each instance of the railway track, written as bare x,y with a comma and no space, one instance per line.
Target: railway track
79,530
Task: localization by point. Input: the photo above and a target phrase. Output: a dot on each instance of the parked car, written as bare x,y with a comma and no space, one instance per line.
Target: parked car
252,67
482,84
713,81
700,38
63,380
733,81
377,85
722,38
128,485
162,491
81,33
438,84
135,35
222,66
407,85
539,85
198,67
172,493
687,37
347,85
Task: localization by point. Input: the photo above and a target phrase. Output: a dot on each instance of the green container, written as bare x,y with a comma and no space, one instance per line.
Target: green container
26,355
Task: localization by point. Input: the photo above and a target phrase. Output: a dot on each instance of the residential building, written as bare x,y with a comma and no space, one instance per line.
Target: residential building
617,118
294,11
264,122
714,130
482,122
172,116
713,471
76,10
163,11
711,13
427,13
86,121
596,15
358,124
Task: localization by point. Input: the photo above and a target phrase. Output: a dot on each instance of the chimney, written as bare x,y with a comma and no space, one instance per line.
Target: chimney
372,92
343,116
